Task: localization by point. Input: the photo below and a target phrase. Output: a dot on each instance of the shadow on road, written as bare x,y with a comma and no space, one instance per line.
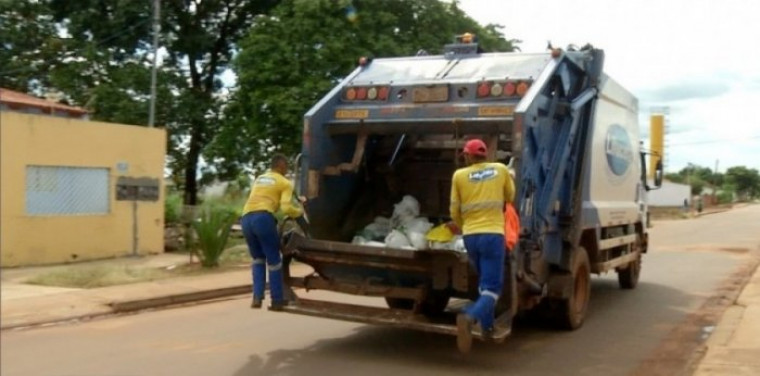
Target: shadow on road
622,328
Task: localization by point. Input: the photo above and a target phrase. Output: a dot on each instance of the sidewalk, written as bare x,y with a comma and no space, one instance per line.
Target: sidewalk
27,305
734,347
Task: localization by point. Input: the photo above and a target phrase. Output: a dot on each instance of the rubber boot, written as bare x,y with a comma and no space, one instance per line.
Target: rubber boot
276,290
482,311
259,271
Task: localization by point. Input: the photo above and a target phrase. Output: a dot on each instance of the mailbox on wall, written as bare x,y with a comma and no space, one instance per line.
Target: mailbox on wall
137,189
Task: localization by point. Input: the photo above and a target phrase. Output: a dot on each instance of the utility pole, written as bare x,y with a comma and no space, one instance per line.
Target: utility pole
715,183
153,73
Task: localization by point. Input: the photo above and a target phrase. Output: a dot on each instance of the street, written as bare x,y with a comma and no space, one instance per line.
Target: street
650,330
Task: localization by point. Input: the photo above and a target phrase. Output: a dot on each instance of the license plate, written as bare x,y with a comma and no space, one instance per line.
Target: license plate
430,94
351,114
496,111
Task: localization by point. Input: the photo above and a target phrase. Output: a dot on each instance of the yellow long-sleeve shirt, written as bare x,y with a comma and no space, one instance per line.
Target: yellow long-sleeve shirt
478,194
271,192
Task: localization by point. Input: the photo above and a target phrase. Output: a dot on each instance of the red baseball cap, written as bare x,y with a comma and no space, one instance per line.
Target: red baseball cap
475,147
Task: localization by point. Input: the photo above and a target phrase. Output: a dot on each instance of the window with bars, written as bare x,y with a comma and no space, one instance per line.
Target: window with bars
58,190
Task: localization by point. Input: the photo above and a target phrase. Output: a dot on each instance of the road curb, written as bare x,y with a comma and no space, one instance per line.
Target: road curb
162,301
132,305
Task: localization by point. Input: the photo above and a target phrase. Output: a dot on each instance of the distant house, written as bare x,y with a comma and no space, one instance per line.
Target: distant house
670,195
73,189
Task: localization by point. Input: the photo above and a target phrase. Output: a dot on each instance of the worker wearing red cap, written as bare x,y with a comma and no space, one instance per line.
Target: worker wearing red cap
478,195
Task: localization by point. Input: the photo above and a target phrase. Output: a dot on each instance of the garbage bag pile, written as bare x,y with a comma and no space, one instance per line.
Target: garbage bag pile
406,229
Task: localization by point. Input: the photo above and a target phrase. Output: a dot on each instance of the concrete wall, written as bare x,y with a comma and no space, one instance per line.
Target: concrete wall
36,140
671,194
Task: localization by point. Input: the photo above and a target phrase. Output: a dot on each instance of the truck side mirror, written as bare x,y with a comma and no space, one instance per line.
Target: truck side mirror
658,174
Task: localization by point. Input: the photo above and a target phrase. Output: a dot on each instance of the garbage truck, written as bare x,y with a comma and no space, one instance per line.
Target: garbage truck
395,127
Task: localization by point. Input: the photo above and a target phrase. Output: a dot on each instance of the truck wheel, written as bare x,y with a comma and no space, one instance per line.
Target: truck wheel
571,312
628,278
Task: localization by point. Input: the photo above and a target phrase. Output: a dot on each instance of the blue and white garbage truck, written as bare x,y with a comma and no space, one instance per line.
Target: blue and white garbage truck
395,127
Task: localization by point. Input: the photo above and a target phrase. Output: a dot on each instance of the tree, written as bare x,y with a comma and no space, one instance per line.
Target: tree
674,177
29,43
697,186
745,180
295,55
104,64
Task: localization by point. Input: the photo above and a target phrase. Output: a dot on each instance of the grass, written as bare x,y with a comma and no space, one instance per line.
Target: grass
98,276
94,276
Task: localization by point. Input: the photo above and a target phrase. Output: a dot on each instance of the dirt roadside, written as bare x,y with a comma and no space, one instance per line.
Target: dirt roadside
685,345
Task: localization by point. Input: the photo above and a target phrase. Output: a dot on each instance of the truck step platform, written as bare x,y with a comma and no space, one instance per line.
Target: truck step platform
443,324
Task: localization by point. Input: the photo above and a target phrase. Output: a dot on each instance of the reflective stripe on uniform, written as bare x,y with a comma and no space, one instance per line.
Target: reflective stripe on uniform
482,205
275,267
258,261
490,294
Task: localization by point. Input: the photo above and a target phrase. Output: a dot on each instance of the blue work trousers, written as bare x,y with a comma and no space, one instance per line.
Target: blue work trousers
260,231
486,253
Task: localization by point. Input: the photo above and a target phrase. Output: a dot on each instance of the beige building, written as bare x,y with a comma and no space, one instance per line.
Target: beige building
72,189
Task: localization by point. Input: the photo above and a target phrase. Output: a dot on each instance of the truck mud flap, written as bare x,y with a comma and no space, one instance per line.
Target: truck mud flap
445,324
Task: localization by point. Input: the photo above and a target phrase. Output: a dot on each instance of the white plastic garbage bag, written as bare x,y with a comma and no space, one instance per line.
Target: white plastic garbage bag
417,239
378,229
456,244
420,224
459,244
397,239
407,209
374,244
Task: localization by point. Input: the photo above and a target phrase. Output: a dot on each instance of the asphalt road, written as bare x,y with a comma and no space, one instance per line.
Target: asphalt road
688,263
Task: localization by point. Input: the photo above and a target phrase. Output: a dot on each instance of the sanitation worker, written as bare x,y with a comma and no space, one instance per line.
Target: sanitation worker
478,195
270,192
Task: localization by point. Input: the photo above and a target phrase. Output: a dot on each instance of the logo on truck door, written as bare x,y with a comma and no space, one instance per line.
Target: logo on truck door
618,149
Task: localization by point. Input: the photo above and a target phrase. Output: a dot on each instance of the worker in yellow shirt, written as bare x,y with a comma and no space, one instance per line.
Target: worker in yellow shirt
271,192
478,195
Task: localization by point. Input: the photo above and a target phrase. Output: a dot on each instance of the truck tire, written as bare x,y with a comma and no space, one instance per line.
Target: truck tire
570,313
628,278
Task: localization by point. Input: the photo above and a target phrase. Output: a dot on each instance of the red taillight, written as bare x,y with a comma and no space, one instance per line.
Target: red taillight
509,89
484,89
351,94
367,93
361,93
522,88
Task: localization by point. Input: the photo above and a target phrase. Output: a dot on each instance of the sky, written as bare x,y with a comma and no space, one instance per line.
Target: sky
700,59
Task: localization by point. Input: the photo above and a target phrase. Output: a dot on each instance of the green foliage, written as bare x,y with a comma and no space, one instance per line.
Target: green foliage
296,54
94,276
697,185
173,209
675,177
29,45
212,230
725,197
746,180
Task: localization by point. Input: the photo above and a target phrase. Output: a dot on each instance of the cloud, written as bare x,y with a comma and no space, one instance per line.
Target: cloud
686,91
